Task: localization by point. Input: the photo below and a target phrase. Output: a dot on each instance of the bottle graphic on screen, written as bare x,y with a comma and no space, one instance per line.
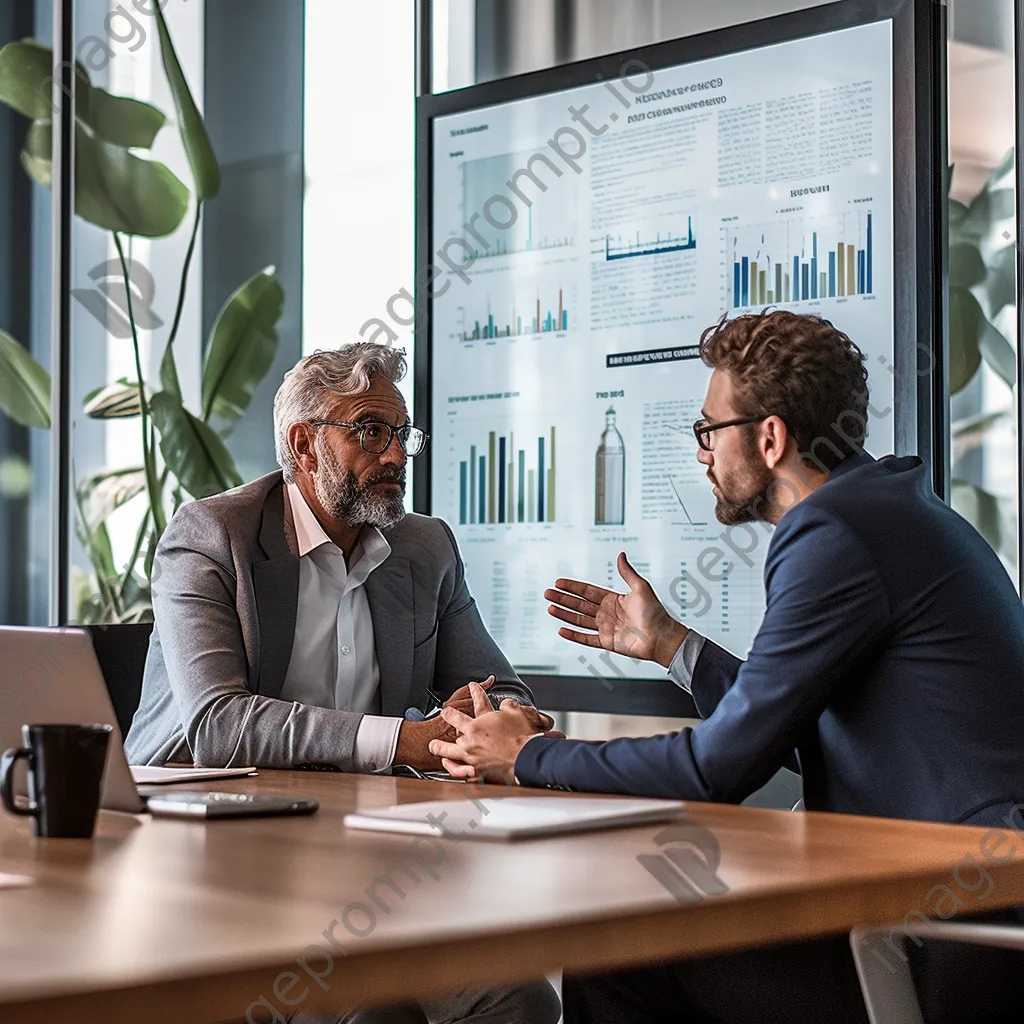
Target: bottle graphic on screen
610,489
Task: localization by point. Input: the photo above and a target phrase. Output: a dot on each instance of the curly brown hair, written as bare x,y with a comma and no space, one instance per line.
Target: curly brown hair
800,368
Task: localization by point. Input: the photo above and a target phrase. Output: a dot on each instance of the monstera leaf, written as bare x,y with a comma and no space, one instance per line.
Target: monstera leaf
26,85
114,189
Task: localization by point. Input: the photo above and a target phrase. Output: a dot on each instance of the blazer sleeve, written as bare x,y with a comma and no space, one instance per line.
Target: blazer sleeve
826,608
225,724
714,672
466,652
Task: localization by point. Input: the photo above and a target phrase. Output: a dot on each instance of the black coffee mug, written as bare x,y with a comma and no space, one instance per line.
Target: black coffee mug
65,768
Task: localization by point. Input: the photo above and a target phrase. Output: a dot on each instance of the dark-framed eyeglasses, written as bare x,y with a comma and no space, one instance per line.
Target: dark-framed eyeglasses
375,438
702,430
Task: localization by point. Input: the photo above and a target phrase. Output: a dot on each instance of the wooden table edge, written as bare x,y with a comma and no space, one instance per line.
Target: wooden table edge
397,972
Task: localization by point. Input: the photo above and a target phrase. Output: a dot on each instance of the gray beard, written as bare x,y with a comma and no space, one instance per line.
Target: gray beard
342,498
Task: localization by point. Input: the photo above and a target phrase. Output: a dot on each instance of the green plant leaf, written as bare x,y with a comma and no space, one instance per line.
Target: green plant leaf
102,554
26,72
965,320
116,401
102,494
977,221
24,68
198,149
957,215
980,422
169,373
980,509
243,344
24,385
192,450
998,353
114,189
119,120
966,267
1004,168
971,431
1001,283
15,477
1002,205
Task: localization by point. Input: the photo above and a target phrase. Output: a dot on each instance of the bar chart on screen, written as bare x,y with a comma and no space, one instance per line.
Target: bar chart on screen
508,478
540,310
804,259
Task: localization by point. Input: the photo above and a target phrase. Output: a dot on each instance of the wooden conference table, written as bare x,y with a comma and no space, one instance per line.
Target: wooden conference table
173,921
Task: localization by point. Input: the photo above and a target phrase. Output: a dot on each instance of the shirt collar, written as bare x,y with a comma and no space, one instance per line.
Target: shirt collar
309,534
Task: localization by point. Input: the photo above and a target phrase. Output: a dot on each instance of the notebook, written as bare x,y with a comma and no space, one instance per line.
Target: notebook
150,775
515,817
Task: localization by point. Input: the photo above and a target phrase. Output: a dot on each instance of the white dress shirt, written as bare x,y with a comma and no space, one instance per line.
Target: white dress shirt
334,657
685,660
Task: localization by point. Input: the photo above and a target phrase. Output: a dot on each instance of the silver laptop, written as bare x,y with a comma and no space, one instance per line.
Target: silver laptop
51,676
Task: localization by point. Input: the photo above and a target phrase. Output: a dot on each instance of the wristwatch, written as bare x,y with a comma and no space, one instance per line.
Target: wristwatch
496,696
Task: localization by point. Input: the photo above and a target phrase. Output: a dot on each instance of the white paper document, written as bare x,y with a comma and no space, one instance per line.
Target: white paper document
514,817
148,775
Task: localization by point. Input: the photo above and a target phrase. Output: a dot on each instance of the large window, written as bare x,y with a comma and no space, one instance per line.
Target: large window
360,174
307,222
982,271
25,562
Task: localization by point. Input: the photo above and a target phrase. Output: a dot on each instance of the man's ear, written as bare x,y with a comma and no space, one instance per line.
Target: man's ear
300,438
775,438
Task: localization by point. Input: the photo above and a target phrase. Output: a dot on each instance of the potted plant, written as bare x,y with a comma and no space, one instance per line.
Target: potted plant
120,189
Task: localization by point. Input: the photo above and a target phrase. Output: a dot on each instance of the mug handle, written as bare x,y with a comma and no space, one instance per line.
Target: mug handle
7,780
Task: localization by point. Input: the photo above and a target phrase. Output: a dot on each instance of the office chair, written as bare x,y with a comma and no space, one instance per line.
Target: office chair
888,987
121,651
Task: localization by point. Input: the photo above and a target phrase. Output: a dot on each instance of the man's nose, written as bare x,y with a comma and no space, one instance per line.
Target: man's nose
705,458
394,456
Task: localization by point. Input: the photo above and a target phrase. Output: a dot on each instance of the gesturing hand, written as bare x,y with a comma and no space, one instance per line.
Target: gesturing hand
635,624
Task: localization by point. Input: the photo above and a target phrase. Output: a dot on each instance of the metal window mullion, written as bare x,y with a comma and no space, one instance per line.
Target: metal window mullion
1018,56
62,207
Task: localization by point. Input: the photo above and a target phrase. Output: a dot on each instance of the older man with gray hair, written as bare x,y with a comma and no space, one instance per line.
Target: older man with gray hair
304,620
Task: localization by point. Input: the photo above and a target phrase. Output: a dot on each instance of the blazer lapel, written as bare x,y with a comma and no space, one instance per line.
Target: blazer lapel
276,588
389,593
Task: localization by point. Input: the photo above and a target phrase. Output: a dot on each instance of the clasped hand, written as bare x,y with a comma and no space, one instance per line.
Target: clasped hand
634,624
489,740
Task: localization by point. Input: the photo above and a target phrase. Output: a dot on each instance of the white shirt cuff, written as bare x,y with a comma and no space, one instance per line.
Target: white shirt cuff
376,742
681,667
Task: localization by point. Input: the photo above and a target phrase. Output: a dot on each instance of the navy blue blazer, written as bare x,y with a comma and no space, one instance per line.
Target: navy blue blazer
890,657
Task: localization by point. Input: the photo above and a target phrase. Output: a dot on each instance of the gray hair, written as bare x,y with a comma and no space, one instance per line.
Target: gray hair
315,383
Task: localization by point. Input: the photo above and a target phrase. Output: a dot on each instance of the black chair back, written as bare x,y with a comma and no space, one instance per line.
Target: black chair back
121,651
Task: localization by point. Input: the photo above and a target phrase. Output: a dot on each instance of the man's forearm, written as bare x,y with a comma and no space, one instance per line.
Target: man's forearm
246,729
670,635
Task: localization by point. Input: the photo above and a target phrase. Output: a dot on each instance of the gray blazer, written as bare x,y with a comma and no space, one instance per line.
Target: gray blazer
225,594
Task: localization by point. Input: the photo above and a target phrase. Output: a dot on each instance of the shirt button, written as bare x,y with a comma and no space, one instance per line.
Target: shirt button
346,649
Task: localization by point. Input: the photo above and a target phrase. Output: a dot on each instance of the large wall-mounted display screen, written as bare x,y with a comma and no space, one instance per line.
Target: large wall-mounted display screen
584,240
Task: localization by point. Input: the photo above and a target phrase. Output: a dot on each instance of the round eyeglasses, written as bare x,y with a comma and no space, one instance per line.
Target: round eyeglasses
375,438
